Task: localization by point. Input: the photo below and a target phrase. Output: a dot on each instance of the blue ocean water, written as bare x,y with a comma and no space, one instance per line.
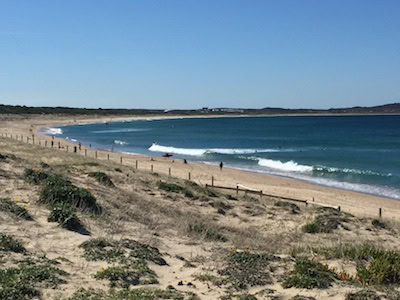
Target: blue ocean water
360,153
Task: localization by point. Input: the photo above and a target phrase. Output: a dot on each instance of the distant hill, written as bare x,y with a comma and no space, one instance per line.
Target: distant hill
393,108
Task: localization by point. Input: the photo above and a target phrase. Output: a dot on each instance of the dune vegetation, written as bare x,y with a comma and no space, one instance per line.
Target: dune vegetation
73,228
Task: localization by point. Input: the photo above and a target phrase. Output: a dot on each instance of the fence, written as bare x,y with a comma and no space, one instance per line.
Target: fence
237,189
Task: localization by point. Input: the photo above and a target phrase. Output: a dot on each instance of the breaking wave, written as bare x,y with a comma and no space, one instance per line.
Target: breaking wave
289,166
332,170
51,130
200,152
120,142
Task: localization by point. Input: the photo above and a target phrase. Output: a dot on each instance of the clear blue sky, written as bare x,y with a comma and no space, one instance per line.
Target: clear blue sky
189,54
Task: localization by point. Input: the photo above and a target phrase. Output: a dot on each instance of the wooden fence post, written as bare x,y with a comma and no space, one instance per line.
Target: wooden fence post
169,171
120,160
136,164
108,156
85,152
67,148
380,212
212,180
45,143
151,168
95,154
189,176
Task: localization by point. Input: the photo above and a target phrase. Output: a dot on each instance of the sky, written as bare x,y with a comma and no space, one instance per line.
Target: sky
187,54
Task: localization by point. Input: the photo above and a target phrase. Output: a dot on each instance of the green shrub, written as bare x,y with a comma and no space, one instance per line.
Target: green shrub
378,224
143,251
65,215
170,187
57,190
291,206
363,295
375,265
101,249
102,178
245,269
323,224
134,273
381,270
44,165
209,232
8,243
35,176
308,274
301,297
9,206
20,283
132,294
201,190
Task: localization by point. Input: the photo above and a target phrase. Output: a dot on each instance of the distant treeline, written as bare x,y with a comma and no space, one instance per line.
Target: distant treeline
381,109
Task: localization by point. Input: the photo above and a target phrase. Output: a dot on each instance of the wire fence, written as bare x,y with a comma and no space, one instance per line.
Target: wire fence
151,166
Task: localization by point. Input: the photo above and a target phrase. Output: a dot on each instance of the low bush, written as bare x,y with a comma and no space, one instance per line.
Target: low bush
8,243
363,295
102,178
20,283
102,249
8,206
65,215
175,188
207,231
132,294
326,222
120,251
288,205
309,274
134,273
57,190
35,176
143,251
378,224
245,269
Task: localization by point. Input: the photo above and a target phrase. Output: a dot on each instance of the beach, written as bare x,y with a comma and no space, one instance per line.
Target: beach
160,221
355,203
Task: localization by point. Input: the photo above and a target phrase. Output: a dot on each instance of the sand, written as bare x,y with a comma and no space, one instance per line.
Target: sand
355,203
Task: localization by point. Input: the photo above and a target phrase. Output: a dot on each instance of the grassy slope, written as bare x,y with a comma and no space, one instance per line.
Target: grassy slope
178,239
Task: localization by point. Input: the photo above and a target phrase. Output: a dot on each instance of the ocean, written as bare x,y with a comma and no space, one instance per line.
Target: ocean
359,153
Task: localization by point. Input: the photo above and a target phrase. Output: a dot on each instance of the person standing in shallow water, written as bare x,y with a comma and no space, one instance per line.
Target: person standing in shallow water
221,165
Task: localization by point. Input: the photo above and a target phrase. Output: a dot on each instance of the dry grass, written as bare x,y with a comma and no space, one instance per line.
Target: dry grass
180,218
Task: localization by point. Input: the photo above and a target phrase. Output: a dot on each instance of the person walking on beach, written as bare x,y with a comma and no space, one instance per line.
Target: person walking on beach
221,165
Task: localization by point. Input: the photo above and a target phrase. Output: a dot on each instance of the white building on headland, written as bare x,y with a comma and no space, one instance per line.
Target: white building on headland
229,110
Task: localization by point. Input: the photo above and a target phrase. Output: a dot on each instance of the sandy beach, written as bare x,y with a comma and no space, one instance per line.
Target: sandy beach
215,243
353,202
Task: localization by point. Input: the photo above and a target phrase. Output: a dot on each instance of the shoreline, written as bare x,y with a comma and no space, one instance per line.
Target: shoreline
357,203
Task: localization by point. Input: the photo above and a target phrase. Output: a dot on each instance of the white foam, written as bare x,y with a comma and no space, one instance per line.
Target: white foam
289,166
52,130
120,142
182,151
200,152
